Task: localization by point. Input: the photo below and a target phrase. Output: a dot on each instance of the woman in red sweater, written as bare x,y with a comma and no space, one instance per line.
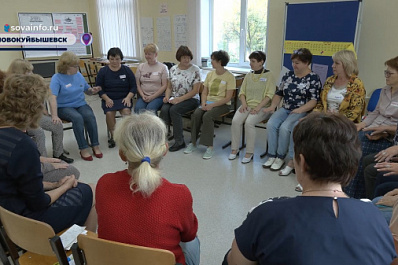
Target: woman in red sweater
137,206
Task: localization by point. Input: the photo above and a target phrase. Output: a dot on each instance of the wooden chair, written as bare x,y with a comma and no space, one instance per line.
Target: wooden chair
95,251
84,70
42,245
235,100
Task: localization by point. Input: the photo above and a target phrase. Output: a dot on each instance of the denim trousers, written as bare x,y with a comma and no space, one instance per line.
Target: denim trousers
191,251
81,117
172,114
153,105
280,132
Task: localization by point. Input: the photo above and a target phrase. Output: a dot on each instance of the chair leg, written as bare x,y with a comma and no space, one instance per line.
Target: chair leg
266,151
58,249
3,255
77,254
226,145
10,246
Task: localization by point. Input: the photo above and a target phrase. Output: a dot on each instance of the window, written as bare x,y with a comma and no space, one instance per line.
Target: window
117,26
237,26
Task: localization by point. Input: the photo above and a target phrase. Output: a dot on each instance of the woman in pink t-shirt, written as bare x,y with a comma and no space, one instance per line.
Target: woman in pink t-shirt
151,80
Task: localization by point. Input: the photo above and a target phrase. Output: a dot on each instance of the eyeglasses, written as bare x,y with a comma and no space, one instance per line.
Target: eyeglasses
387,73
299,52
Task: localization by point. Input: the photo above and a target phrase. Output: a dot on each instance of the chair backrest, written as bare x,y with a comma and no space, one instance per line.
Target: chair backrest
374,98
27,233
98,251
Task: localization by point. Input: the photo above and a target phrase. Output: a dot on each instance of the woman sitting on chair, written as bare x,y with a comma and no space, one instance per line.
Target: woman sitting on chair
377,130
182,94
343,92
219,87
151,78
47,122
322,226
256,92
299,90
137,206
118,87
21,180
68,88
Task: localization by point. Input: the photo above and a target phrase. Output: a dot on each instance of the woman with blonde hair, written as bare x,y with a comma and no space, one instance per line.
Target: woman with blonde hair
21,180
343,92
68,87
151,78
134,201
47,122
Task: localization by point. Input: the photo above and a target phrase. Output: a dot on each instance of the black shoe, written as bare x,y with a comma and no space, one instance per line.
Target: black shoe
66,152
111,143
66,159
176,147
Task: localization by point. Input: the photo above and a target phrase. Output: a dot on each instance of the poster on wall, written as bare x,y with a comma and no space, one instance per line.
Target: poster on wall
146,31
180,30
71,24
35,24
163,26
56,24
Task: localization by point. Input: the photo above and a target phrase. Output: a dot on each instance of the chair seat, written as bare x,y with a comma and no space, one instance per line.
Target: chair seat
30,258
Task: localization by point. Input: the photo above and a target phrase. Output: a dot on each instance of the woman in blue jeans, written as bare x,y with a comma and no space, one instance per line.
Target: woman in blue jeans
151,78
300,91
68,88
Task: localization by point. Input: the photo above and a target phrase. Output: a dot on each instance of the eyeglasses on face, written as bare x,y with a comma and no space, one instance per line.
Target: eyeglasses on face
299,52
388,74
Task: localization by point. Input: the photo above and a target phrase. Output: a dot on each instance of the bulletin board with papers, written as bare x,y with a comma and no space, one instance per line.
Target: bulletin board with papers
322,27
55,23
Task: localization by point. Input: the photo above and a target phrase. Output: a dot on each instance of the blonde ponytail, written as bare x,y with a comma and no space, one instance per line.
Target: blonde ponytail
141,138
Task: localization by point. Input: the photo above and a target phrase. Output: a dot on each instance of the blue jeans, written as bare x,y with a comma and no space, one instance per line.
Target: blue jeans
191,251
154,105
385,210
280,127
81,117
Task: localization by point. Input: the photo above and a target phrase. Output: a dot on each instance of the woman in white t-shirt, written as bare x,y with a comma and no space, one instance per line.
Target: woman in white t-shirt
182,94
343,92
151,80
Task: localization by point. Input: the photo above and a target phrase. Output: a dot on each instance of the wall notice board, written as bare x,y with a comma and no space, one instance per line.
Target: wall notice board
322,27
58,23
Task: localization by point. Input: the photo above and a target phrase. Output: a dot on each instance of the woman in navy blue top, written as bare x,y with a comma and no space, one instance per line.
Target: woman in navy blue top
323,225
118,88
21,179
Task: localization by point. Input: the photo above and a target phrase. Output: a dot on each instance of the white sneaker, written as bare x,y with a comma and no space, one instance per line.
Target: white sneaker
209,153
269,162
233,156
286,171
278,164
246,160
190,148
